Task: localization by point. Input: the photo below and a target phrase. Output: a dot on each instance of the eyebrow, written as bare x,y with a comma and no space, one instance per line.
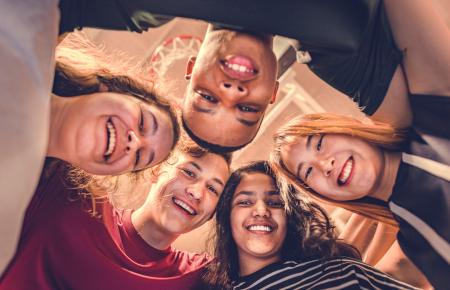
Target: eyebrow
195,165
247,122
273,192
218,181
244,192
308,146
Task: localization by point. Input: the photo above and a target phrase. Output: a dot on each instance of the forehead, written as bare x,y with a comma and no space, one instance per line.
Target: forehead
209,163
256,182
292,153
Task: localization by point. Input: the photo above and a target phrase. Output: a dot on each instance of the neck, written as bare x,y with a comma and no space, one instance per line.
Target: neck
59,107
383,190
144,223
249,264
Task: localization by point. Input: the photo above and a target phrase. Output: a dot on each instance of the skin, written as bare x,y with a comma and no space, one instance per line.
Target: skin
79,135
421,33
216,94
197,182
257,202
319,161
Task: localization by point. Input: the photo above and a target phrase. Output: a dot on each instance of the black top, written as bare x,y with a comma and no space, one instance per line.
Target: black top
421,197
350,41
335,273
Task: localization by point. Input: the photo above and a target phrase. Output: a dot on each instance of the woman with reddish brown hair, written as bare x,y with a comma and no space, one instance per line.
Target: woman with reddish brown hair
377,171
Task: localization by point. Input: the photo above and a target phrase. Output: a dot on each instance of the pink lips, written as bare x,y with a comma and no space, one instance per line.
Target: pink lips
239,68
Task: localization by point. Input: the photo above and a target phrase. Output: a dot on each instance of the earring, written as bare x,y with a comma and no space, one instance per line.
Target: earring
187,77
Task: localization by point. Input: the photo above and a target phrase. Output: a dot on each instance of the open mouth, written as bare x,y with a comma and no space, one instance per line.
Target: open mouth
346,172
239,67
260,228
184,206
111,139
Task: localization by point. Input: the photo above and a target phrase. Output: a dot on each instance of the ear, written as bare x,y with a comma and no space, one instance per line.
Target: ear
190,67
103,88
274,94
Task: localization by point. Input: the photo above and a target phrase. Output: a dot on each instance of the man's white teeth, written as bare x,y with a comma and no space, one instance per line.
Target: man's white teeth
183,205
260,228
346,170
239,68
111,139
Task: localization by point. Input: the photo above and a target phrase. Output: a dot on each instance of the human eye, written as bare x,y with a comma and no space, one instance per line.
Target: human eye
244,203
207,97
141,121
137,158
188,173
275,203
308,173
248,109
213,189
319,143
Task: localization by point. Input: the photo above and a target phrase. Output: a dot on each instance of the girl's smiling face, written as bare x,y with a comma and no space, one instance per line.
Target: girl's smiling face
336,166
258,218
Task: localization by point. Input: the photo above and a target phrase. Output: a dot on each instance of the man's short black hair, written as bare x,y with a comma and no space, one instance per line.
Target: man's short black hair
215,148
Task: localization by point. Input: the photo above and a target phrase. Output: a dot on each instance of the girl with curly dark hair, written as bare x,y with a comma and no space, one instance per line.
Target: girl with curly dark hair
266,239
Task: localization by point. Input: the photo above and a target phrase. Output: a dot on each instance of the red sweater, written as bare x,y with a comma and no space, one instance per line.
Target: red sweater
63,247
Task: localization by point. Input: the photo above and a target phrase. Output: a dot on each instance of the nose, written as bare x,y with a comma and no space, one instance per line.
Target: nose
327,165
133,142
233,89
260,209
196,191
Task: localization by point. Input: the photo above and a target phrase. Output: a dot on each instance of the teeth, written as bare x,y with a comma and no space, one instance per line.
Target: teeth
260,228
238,68
345,173
111,139
184,206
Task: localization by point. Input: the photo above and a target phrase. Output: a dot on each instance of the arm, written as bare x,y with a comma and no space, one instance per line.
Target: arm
421,32
373,239
396,264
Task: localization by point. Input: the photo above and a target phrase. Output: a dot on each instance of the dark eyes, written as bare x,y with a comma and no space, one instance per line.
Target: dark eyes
318,147
188,172
141,121
247,109
138,157
269,203
213,190
208,98
275,203
319,143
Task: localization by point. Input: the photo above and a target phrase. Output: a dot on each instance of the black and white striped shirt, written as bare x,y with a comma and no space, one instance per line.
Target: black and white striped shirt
335,273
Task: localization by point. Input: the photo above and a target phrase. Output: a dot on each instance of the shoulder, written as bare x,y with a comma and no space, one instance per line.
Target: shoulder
194,259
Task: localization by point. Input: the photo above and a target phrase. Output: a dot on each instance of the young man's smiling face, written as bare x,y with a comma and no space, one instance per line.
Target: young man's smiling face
186,192
232,81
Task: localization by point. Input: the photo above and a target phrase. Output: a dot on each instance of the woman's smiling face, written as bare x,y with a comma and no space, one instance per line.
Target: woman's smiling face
336,166
111,133
258,218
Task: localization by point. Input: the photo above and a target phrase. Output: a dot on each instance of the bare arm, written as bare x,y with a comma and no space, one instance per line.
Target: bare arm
396,264
421,32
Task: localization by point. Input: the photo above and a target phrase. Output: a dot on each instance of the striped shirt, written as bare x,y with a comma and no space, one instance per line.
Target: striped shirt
335,273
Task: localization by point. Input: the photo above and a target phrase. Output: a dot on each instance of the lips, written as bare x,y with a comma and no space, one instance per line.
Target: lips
346,172
184,206
239,68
